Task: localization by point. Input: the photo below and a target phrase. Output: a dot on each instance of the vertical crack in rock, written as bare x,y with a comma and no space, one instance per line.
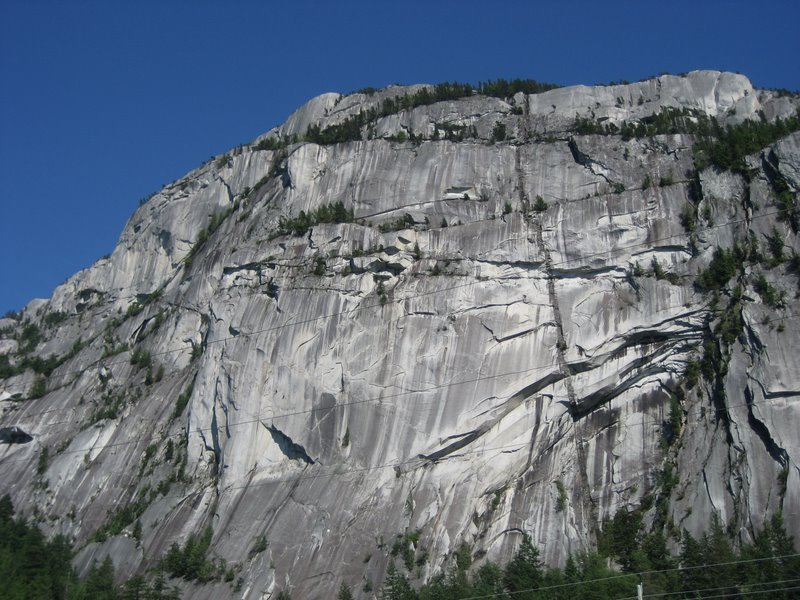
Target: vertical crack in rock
708,488
206,319
736,456
524,122
220,426
230,385
585,510
551,285
239,499
770,163
523,197
561,344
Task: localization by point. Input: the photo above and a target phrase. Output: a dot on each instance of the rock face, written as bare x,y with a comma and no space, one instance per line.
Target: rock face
506,337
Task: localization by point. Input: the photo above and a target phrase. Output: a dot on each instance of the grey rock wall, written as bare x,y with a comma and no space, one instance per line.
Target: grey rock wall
510,372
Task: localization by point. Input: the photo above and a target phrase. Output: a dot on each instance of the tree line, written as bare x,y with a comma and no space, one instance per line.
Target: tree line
33,568
710,566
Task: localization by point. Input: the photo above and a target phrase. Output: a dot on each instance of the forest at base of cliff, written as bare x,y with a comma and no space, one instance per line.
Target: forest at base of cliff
32,567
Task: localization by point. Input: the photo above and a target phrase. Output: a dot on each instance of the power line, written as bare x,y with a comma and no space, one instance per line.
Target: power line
27,415
419,460
261,419
334,407
629,575
369,306
352,403
380,399
730,594
756,593
718,588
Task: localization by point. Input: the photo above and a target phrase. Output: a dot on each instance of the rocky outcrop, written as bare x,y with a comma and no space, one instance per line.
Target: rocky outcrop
506,335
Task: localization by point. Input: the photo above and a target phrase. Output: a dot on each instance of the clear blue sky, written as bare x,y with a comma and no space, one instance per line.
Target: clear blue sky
101,103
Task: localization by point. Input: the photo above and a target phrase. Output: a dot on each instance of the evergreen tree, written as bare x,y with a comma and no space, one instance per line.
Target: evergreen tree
344,593
524,572
692,558
488,580
134,589
719,551
396,586
6,509
99,584
772,542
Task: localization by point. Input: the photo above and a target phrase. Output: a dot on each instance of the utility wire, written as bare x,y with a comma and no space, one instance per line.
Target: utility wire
379,400
26,415
262,419
544,367
388,396
718,588
729,594
696,310
453,287
628,575
582,258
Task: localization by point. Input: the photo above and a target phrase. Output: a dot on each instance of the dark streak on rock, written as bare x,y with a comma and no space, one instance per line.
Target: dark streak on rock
291,449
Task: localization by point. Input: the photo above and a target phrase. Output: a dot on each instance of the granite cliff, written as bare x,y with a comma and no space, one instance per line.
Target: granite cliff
442,322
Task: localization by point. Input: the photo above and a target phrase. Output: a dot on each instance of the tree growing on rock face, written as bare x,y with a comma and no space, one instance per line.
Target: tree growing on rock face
540,205
499,132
